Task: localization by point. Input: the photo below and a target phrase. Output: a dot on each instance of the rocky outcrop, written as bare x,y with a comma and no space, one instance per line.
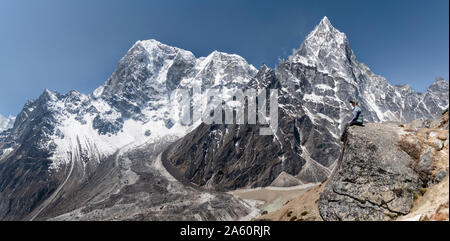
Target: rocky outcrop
386,168
373,180
427,143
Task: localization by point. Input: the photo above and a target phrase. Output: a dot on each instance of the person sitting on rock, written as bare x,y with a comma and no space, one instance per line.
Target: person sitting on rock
356,120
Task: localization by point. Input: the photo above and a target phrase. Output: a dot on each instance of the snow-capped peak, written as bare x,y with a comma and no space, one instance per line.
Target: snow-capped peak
327,49
326,29
153,47
438,85
49,94
324,26
220,69
439,81
133,106
324,35
325,20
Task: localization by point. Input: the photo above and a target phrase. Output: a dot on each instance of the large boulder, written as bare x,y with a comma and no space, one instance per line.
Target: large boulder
373,179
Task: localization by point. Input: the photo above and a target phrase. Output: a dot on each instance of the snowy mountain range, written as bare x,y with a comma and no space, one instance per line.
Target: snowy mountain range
316,84
103,148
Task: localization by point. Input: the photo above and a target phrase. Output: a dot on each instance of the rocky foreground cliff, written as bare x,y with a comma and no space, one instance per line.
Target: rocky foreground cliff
386,171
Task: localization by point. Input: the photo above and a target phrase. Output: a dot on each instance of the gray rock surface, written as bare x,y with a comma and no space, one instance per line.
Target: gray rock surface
425,164
440,175
373,179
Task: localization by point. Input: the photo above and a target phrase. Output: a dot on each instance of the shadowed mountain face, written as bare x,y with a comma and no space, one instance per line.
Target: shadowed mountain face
85,148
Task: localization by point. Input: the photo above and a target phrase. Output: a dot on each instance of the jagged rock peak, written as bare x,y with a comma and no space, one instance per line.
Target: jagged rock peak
152,46
323,34
327,49
325,26
439,82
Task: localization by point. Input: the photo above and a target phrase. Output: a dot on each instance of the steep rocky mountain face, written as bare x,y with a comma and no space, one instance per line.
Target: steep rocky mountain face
315,85
103,148
226,157
385,170
329,51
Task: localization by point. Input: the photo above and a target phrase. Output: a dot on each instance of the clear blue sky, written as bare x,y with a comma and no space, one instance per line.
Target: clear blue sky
76,44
